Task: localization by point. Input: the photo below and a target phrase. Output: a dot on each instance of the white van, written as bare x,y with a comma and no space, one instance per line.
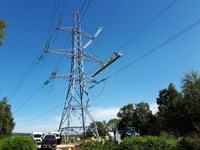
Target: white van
57,134
37,136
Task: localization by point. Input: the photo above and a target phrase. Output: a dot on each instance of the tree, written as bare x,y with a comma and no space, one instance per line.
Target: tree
191,102
3,25
144,118
138,116
100,127
113,124
169,114
179,113
126,114
6,120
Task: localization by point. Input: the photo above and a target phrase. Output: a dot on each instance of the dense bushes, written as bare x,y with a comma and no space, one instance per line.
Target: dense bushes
188,144
146,143
98,146
17,143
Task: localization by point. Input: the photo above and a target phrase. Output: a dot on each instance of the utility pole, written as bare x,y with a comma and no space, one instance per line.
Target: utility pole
77,104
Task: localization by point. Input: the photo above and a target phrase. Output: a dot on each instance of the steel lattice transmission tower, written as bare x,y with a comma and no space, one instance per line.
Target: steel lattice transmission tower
77,102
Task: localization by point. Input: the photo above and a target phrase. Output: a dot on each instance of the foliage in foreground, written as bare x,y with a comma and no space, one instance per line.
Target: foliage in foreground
98,146
18,143
7,123
146,143
3,25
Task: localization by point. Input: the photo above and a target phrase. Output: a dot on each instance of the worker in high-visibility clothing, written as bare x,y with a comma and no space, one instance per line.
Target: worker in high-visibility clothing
107,138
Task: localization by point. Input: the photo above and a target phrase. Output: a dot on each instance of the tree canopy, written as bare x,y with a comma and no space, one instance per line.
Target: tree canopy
6,120
100,127
3,25
138,116
178,111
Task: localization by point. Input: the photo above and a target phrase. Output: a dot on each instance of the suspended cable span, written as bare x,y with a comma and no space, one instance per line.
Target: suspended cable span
23,78
44,102
27,100
82,6
112,12
85,10
42,114
157,47
147,24
144,27
150,52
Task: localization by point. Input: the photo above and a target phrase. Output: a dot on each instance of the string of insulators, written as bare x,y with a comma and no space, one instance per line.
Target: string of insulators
59,22
97,83
48,42
46,82
53,73
47,45
41,57
54,33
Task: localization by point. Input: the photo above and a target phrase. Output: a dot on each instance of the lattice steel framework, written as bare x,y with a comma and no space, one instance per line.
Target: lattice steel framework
77,102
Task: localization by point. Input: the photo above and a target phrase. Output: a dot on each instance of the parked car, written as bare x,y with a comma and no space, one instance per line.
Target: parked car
37,136
49,141
128,132
58,136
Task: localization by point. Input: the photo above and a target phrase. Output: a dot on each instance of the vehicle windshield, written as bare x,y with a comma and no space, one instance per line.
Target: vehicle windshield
49,137
57,135
37,135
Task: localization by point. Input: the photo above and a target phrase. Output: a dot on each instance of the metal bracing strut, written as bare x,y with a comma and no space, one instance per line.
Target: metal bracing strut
77,101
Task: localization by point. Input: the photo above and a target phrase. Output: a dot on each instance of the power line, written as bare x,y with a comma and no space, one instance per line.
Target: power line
148,53
34,64
85,10
147,24
27,100
42,114
112,12
144,27
23,78
44,102
195,24
82,6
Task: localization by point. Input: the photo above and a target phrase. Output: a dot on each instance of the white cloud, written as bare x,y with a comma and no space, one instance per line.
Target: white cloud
106,114
153,107
51,124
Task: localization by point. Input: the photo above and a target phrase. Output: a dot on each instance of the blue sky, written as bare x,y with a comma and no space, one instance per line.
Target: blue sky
36,108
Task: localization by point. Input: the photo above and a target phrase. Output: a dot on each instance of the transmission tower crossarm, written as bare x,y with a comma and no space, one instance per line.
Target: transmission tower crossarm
91,39
64,77
105,65
65,29
85,34
60,52
68,53
91,58
67,77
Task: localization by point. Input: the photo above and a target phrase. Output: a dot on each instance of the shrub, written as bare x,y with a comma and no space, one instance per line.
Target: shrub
148,142
165,142
188,144
98,146
18,143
